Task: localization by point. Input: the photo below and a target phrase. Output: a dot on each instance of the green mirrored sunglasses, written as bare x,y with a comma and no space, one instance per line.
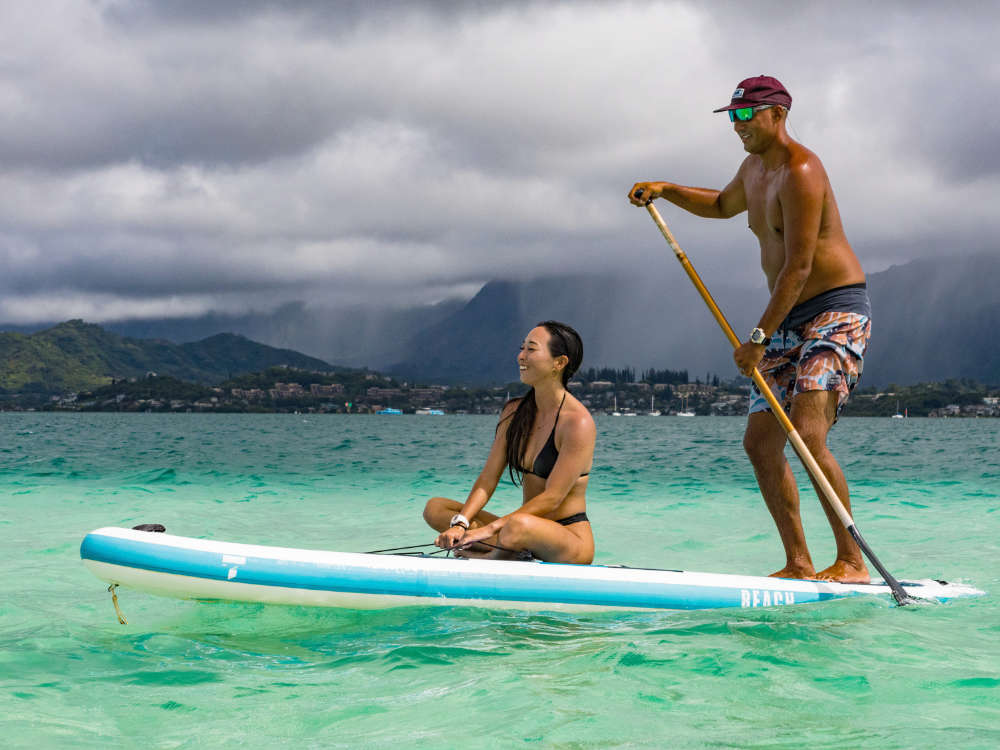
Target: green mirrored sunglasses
745,114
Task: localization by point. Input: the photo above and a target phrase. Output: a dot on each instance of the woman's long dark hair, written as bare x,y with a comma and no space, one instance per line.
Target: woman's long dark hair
563,341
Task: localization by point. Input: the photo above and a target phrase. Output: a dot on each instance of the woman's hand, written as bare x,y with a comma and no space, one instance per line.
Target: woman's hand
477,535
459,539
450,537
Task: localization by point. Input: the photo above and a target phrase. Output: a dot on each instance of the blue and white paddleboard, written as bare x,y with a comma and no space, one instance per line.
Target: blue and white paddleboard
188,568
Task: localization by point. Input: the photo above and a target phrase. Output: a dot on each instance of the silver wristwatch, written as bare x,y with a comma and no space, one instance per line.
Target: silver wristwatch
757,336
458,520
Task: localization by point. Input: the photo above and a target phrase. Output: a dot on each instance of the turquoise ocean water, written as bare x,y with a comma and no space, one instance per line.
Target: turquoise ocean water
667,492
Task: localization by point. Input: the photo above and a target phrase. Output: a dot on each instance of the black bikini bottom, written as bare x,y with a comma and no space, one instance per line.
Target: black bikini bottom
575,518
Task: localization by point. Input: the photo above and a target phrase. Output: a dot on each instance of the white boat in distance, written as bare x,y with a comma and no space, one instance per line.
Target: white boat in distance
615,412
653,411
684,410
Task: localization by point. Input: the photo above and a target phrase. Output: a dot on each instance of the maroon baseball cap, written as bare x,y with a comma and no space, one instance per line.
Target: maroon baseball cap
758,90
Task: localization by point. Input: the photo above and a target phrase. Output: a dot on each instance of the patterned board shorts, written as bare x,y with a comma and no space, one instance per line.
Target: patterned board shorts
824,354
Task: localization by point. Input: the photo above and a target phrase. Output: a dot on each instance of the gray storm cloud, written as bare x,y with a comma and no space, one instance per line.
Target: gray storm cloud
167,159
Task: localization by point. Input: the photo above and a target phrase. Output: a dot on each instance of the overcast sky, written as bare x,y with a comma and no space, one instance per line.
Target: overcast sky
171,158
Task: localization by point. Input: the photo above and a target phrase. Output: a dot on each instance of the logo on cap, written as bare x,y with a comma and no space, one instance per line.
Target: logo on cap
738,94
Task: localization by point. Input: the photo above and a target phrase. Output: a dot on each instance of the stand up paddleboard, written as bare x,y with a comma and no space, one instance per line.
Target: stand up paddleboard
187,568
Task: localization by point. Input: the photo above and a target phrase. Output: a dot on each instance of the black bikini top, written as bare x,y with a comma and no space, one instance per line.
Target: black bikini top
545,461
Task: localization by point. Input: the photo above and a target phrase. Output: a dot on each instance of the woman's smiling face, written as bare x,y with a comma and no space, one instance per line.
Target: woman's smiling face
534,360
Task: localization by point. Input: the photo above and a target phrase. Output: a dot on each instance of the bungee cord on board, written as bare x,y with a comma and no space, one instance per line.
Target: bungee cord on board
521,554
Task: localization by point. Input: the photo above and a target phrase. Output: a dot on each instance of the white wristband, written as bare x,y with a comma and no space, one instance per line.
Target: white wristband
459,520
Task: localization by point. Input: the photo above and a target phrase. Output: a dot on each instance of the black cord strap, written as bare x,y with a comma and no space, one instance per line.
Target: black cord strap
521,554
397,549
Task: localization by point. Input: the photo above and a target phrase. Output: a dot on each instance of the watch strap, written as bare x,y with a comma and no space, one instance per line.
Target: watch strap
757,336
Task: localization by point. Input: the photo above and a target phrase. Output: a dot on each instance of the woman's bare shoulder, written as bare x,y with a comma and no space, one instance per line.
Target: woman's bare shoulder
577,416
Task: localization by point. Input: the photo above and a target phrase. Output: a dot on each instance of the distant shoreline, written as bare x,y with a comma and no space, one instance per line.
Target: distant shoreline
287,390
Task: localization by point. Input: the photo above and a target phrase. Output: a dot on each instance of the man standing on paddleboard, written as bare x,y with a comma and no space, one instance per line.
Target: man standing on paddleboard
810,341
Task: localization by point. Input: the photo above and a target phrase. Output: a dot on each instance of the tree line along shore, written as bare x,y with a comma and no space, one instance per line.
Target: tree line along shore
605,390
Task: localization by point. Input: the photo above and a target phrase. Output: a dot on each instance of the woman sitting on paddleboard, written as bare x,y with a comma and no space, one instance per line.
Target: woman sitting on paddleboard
544,439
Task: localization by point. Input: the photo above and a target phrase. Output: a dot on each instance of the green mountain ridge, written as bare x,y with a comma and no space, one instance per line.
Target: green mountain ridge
75,356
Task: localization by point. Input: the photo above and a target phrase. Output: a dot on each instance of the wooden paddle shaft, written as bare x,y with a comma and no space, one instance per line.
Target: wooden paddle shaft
794,438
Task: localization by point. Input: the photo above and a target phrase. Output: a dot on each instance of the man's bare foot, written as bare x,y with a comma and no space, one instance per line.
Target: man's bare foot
843,571
795,571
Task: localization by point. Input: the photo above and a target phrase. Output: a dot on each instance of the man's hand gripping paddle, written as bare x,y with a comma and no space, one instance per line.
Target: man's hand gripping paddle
901,597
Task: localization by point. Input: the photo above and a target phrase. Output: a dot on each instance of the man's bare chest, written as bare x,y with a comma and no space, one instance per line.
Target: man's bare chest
764,204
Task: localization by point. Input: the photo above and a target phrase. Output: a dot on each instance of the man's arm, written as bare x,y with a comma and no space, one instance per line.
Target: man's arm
801,198
704,202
